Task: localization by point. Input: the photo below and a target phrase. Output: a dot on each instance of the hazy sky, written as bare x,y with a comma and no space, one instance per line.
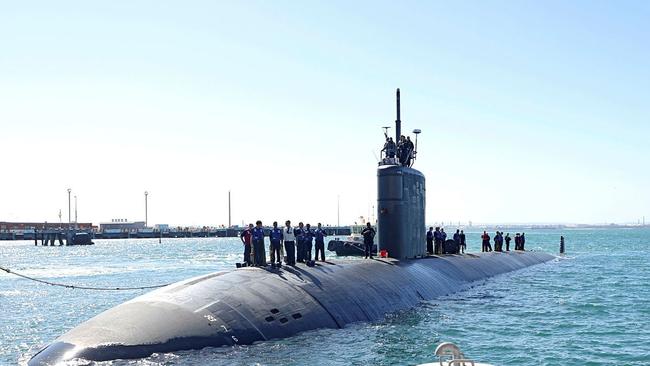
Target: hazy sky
530,111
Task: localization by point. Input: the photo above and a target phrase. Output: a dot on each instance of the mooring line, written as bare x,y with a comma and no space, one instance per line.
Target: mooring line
81,287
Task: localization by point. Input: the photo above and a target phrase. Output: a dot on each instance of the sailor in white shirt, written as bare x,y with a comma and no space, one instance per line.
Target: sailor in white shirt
289,243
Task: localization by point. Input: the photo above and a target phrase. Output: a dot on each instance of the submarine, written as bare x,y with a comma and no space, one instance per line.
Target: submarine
251,304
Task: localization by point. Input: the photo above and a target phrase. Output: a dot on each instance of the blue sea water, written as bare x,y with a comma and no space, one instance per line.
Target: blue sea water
590,307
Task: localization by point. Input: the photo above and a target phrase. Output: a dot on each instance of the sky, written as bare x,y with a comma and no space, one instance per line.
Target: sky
530,111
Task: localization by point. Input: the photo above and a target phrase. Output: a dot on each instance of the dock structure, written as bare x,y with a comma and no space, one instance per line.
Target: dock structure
68,236
52,237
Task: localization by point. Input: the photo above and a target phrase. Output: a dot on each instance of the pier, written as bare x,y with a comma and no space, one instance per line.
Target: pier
64,236
60,237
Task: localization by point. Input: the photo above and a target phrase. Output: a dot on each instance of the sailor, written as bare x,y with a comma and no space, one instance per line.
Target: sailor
401,150
299,232
485,238
307,243
275,237
389,148
430,240
436,241
246,240
368,239
522,241
457,240
392,148
289,243
463,243
258,244
507,239
409,150
497,242
443,239
517,241
320,234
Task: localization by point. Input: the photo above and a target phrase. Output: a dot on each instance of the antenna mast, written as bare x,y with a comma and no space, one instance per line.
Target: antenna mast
398,122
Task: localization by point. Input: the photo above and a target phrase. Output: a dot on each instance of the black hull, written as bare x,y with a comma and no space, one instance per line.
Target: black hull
251,304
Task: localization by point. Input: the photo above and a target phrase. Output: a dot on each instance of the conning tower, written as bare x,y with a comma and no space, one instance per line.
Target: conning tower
400,204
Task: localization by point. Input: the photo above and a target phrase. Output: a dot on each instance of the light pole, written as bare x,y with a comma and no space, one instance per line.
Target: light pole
69,212
145,208
75,212
229,217
338,210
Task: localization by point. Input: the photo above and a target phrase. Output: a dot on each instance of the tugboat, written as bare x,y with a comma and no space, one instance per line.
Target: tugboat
353,244
80,238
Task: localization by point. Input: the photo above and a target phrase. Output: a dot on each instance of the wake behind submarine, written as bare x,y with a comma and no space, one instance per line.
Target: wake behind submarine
249,304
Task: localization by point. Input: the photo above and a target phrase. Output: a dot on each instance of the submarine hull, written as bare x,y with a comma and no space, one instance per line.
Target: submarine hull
246,305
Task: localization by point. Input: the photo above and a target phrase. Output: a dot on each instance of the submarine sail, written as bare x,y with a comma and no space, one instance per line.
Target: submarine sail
401,204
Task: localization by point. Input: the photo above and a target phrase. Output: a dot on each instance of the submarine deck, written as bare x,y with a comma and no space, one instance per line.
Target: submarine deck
252,304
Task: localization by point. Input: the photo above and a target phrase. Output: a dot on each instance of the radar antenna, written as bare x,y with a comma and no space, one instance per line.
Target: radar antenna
386,131
417,131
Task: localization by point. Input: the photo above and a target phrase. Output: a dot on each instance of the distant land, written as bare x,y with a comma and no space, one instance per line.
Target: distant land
531,226
9,226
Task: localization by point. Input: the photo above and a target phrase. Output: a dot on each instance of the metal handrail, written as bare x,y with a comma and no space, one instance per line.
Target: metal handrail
460,362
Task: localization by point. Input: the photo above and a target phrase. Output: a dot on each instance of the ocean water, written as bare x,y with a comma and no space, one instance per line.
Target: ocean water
590,307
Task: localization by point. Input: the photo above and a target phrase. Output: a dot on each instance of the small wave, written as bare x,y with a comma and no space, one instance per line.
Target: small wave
59,272
10,293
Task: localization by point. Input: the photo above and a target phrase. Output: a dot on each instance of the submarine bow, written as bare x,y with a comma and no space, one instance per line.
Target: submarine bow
250,304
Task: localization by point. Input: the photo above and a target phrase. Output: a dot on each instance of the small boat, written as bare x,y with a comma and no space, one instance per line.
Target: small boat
353,244
81,238
449,354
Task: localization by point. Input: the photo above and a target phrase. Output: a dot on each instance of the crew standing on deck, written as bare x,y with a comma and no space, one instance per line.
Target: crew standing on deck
299,232
430,240
485,238
308,243
443,239
507,239
368,239
517,241
457,240
258,244
245,237
289,243
497,242
275,237
320,235
463,242
523,241
437,241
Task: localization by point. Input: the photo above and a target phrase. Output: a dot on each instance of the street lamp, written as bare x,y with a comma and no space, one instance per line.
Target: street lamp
145,208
